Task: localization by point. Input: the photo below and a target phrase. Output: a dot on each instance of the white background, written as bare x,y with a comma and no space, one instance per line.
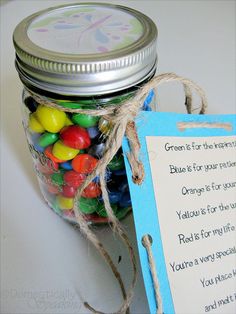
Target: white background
46,265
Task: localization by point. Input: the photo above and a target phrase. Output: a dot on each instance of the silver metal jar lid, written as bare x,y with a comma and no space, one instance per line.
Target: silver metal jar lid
85,48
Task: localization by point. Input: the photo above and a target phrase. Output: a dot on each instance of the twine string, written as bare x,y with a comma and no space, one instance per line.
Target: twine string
122,117
182,126
147,243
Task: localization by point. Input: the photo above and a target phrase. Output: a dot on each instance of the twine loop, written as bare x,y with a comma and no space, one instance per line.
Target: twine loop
122,118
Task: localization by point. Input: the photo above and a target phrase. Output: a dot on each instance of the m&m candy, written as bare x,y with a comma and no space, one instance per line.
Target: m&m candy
34,124
102,211
53,120
75,136
68,121
114,196
84,163
47,139
68,191
73,178
64,152
49,154
65,203
53,189
48,167
93,132
38,148
57,178
97,150
31,104
85,120
92,190
116,163
88,205
125,200
66,165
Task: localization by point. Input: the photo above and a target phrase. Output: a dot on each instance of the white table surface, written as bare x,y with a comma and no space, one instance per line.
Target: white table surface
46,265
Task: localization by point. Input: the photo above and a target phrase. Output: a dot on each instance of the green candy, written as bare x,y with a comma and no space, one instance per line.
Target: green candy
88,205
123,212
82,104
57,178
47,139
117,163
102,212
84,120
121,98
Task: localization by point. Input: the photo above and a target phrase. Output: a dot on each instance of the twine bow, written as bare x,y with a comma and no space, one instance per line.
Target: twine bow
122,117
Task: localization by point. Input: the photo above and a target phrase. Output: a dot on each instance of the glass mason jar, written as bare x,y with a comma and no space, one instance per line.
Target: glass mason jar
84,56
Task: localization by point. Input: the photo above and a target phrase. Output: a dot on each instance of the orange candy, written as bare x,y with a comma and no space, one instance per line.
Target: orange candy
84,163
49,154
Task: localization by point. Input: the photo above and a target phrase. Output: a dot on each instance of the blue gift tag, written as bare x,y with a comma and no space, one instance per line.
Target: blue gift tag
187,204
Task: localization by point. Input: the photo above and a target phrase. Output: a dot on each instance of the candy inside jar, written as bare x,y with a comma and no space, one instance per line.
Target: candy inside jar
81,56
66,148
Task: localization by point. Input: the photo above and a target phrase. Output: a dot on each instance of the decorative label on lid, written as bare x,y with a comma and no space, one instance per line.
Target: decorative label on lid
85,30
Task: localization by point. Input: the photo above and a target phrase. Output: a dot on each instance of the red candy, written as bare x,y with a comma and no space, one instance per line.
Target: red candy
92,190
69,213
68,191
52,164
49,154
48,168
74,179
53,189
84,163
76,137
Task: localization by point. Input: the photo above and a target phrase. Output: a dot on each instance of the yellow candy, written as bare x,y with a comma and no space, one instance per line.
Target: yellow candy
105,126
65,203
51,119
64,152
68,122
34,124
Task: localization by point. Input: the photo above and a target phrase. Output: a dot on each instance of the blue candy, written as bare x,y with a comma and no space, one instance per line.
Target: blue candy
96,180
93,132
107,177
31,104
34,141
121,172
125,200
123,186
66,165
97,150
39,148
114,197
34,137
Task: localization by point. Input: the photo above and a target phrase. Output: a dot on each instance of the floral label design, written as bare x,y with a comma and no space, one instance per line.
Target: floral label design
85,30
